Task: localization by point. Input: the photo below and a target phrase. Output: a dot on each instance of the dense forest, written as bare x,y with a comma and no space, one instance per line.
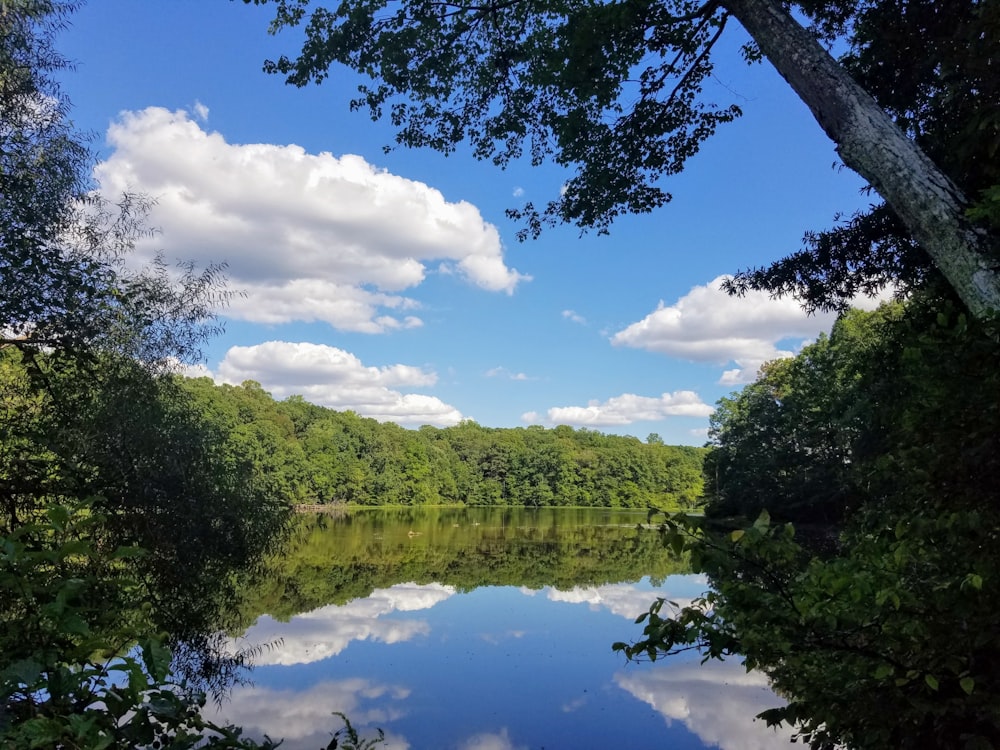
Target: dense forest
310,454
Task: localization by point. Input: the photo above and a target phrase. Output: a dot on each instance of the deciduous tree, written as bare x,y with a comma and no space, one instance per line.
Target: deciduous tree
613,91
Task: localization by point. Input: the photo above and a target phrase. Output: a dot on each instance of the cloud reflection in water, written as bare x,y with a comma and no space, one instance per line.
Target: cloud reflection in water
325,632
716,700
304,718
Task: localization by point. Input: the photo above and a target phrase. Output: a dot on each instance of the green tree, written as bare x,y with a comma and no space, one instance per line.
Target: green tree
97,424
932,74
881,633
612,90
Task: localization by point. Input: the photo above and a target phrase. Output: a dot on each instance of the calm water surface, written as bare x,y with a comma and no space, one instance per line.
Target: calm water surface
482,630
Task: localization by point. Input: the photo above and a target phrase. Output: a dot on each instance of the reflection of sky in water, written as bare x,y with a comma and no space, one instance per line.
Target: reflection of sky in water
325,632
498,668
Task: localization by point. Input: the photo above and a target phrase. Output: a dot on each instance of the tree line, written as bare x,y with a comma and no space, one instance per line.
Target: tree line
306,453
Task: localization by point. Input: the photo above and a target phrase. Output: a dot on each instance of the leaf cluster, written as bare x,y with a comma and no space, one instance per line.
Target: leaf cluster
609,90
930,66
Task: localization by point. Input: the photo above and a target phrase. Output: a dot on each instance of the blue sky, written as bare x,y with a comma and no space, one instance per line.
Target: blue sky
393,285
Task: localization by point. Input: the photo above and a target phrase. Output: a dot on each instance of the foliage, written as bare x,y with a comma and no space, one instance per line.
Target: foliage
791,441
62,266
890,643
335,560
886,635
539,79
137,451
933,74
120,518
613,91
76,668
307,453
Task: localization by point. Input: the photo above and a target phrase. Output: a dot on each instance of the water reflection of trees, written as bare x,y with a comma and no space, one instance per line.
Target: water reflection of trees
335,560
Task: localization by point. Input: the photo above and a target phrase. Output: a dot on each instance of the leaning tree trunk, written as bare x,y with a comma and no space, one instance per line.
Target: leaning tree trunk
931,206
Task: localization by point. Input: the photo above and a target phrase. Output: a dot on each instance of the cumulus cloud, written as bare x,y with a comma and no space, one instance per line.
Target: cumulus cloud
325,632
337,379
574,317
308,236
716,700
304,717
626,409
707,325
623,599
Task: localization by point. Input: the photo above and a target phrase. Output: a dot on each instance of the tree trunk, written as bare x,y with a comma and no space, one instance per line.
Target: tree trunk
869,142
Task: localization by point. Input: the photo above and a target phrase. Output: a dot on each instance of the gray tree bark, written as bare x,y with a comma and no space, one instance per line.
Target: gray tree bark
869,142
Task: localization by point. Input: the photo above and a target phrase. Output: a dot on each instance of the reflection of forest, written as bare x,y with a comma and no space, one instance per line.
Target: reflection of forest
334,560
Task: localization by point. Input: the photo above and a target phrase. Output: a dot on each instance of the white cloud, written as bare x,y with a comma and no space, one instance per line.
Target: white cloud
496,639
629,408
335,378
503,372
200,111
530,417
308,236
304,717
325,632
717,701
345,307
491,741
620,599
708,325
574,317
518,191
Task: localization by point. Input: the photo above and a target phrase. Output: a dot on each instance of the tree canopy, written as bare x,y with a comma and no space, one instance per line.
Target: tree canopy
879,629
613,91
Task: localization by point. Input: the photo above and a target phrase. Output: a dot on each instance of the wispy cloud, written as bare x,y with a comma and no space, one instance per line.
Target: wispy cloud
503,372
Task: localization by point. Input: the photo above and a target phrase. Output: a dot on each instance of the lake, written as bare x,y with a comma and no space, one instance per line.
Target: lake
482,629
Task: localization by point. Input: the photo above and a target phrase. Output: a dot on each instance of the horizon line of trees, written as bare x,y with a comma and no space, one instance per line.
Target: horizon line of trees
307,453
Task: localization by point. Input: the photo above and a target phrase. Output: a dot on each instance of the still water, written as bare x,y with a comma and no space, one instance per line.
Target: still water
482,630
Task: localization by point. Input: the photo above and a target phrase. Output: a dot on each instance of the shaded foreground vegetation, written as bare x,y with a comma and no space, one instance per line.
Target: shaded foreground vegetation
886,636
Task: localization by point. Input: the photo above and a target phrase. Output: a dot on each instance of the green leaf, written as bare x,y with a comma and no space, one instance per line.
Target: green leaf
156,658
972,581
883,671
968,685
737,535
59,516
763,520
931,681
